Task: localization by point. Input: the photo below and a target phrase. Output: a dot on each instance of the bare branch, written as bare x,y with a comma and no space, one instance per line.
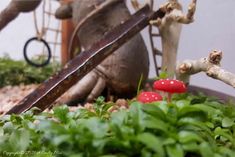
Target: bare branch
210,65
170,29
7,15
14,8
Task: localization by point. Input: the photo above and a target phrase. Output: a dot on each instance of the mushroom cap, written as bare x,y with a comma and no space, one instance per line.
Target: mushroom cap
148,97
170,86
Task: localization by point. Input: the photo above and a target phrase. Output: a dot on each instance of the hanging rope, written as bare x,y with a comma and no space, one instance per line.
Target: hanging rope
41,34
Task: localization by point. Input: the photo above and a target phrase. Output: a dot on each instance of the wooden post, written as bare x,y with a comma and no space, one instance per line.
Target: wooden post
67,30
66,35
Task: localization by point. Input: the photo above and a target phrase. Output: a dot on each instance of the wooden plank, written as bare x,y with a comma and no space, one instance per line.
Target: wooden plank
67,30
83,63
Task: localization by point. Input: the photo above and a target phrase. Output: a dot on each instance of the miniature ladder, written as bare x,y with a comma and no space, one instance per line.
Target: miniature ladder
155,51
57,30
44,30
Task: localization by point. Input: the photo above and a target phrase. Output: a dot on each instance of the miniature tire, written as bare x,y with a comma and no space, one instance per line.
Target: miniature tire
29,61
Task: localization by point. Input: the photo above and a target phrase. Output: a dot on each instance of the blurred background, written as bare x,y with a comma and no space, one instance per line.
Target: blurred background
214,28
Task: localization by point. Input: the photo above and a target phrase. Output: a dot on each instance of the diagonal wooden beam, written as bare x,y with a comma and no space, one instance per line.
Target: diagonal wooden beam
78,67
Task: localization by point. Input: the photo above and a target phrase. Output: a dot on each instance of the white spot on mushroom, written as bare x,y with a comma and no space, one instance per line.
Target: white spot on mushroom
153,96
147,98
172,82
145,94
162,82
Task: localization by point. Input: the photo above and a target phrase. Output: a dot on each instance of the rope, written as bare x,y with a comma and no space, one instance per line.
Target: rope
40,33
45,26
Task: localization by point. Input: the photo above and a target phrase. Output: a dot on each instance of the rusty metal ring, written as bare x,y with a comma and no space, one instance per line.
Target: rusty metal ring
46,62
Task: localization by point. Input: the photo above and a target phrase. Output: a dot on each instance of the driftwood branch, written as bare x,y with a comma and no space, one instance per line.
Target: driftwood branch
170,29
14,8
210,65
8,14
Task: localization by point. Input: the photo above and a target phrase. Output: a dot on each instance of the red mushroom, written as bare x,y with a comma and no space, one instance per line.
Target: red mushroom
170,86
148,97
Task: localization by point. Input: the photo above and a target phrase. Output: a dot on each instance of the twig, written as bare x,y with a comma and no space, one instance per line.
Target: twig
170,29
210,65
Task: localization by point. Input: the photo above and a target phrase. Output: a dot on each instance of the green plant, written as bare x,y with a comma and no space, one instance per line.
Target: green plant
190,126
19,72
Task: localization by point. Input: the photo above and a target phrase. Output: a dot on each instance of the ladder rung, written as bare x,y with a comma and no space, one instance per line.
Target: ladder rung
155,34
49,13
53,29
157,52
56,43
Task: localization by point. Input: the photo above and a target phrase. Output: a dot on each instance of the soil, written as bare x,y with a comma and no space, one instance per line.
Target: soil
12,95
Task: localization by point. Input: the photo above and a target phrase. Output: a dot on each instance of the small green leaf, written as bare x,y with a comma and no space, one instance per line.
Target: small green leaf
61,113
224,133
190,147
156,124
207,108
57,140
189,136
210,125
137,116
206,150
108,156
191,111
172,114
198,100
100,101
8,127
19,140
162,75
152,142
95,126
175,150
118,118
182,103
154,110
169,141
227,122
